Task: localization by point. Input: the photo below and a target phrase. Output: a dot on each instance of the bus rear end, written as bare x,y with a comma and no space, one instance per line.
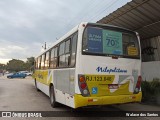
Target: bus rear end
108,66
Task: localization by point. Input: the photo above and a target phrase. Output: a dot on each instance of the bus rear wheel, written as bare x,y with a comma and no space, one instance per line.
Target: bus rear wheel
52,97
36,86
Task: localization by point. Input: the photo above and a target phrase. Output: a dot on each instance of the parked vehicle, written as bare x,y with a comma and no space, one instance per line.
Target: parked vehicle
26,72
17,75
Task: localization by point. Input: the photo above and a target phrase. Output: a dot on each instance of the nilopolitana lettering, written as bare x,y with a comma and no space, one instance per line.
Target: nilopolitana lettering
110,70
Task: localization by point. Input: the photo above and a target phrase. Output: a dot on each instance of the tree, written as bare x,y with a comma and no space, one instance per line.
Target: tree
30,64
15,65
2,67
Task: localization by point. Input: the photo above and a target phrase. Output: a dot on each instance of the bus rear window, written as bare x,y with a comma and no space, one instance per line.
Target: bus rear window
100,41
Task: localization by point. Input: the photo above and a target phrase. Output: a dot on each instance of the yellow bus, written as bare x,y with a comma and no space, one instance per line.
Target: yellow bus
93,64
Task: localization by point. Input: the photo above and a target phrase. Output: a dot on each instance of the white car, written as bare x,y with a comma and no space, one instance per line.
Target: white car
26,72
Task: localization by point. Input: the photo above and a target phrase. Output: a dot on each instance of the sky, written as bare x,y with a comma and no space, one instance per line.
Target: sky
25,25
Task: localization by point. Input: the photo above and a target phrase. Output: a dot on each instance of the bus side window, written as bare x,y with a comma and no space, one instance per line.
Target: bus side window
55,58
42,61
62,55
46,64
73,49
39,62
36,63
67,53
51,58
129,41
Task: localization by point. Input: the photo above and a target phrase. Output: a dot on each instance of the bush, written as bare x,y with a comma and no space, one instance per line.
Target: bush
151,91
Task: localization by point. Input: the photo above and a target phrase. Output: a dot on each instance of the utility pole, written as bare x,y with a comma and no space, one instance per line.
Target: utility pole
44,46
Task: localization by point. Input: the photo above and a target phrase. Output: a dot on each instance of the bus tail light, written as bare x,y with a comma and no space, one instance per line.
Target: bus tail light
82,79
83,85
138,85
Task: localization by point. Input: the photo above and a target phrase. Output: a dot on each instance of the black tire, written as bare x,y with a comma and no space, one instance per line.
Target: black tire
36,86
52,97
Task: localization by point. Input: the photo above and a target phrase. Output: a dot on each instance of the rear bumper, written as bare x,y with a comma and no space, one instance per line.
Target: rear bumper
81,101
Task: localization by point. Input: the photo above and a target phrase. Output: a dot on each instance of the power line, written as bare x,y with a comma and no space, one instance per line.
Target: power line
44,46
100,12
86,12
90,5
86,16
91,9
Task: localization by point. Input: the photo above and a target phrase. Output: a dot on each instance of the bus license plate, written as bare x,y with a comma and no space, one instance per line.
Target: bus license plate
113,86
99,78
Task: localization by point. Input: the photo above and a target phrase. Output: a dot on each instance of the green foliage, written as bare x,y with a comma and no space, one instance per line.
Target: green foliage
30,63
15,65
155,85
146,92
150,90
2,66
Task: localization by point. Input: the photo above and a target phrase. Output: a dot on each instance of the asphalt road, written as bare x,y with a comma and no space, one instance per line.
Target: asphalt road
21,95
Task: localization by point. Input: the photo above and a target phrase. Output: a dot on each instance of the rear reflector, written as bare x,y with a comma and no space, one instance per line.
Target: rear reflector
133,97
139,82
90,100
138,85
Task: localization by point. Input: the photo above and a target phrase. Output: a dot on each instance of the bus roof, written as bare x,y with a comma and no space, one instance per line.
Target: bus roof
73,30
61,39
